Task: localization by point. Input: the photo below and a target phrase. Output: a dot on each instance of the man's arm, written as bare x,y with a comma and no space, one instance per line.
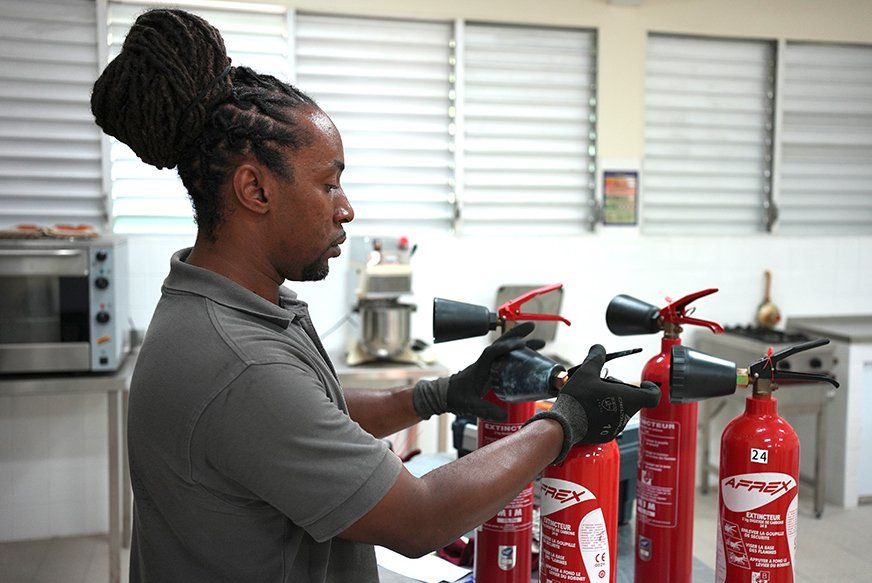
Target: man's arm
418,515
382,412
385,412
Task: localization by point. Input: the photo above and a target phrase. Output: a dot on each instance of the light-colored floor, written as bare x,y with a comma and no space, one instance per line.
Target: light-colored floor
838,547
80,559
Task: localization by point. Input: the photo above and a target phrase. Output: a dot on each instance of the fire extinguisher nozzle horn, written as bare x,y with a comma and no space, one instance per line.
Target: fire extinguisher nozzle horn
457,320
628,316
695,375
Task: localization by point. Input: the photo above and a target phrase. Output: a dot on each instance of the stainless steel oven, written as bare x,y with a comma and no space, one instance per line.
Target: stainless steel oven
63,305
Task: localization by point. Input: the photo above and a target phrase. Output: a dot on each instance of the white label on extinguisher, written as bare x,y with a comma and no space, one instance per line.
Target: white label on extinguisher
745,492
594,544
658,472
756,526
560,494
720,559
792,512
506,557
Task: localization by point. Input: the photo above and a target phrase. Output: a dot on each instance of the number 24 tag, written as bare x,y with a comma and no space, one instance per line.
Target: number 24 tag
759,456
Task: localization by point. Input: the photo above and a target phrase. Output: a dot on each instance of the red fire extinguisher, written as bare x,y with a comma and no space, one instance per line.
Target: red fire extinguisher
578,496
579,516
759,476
503,543
667,443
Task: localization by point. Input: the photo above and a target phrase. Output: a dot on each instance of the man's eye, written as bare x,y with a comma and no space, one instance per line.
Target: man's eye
333,187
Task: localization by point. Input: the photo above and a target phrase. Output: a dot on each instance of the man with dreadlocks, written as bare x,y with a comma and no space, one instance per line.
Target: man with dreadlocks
248,462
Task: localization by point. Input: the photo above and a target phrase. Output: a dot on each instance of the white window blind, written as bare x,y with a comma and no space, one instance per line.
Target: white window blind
826,140
708,135
50,161
529,132
386,84
147,200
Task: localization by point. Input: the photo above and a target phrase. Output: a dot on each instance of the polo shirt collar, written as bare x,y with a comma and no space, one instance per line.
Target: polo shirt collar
222,290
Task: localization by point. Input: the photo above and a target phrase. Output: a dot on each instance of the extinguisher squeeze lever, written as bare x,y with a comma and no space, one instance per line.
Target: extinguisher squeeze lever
622,353
511,310
676,312
766,369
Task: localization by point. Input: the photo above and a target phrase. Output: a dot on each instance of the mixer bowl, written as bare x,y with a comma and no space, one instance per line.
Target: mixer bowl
385,327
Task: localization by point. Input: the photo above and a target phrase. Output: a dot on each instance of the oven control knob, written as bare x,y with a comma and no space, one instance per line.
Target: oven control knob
103,317
101,283
101,255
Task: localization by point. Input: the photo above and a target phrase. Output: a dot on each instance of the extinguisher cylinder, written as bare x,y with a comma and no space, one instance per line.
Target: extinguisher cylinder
757,503
503,544
579,516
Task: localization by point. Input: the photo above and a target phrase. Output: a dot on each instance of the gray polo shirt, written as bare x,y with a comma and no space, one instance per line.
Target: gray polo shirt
244,462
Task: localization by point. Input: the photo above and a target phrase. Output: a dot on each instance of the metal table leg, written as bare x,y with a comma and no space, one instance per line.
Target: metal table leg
126,492
819,459
114,401
706,438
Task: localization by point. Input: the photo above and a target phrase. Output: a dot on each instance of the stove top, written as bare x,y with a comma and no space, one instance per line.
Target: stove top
747,344
766,335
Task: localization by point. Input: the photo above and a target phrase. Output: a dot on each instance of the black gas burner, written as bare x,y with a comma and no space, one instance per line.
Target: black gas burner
766,335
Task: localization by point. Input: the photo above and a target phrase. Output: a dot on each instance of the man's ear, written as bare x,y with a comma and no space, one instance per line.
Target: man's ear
249,188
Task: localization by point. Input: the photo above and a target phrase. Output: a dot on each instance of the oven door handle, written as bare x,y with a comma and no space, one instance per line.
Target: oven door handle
40,252
43,262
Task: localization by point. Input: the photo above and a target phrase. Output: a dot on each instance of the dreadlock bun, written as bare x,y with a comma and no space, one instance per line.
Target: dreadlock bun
149,96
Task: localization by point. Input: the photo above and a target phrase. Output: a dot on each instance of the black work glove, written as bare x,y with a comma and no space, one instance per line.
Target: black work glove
592,409
462,393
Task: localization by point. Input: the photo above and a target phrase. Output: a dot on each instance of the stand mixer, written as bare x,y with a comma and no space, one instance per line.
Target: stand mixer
383,276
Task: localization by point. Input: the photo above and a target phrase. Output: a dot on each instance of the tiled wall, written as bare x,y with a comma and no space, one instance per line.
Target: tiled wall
53,456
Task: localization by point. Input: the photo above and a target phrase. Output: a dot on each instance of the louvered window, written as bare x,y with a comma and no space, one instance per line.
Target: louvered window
444,124
147,200
386,85
708,135
529,134
825,182
50,158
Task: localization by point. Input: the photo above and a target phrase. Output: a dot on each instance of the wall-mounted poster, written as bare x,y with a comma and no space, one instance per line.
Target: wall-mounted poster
620,197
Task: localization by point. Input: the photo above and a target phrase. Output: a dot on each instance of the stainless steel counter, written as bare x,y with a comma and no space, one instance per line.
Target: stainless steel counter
854,328
384,375
849,442
116,386
388,375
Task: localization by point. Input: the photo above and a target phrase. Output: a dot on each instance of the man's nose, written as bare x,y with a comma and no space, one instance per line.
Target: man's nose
344,212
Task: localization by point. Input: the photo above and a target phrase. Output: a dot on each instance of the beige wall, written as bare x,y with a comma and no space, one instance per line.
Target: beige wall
622,31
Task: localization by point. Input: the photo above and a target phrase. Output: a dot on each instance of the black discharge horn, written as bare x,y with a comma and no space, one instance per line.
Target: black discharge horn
627,316
695,375
457,320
